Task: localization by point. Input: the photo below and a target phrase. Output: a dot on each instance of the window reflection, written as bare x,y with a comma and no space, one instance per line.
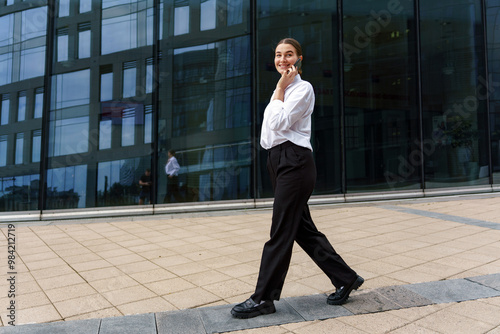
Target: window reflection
62,44
207,15
64,8
119,33
36,146
200,96
67,187
493,24
32,63
34,23
148,124
85,6
235,12
105,134
126,26
19,192
107,86
453,115
380,112
7,29
69,120
5,68
29,28
149,75
129,79
181,20
117,181
84,40
5,108
38,103
19,150
3,150
21,107
128,126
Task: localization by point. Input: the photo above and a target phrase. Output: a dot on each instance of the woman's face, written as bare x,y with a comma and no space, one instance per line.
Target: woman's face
284,57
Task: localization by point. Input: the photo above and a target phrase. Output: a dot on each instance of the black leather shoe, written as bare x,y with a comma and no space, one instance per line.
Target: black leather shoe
250,309
341,295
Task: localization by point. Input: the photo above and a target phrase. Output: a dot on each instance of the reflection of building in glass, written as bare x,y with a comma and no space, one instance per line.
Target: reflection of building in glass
401,105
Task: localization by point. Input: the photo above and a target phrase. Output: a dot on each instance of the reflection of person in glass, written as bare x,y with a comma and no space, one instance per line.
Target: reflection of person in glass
145,184
172,171
286,133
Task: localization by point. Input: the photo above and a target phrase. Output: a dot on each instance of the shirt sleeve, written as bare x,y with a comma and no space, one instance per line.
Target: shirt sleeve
282,115
175,165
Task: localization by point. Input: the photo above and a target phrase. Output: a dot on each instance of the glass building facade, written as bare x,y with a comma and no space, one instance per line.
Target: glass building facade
93,93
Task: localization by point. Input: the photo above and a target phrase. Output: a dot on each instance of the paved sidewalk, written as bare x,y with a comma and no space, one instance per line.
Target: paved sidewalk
431,266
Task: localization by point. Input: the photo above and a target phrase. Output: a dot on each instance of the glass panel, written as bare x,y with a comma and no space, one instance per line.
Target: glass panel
62,45
71,89
119,33
19,192
5,68
5,108
36,146
128,126
106,87
205,93
150,26
149,75
69,120
34,23
492,86
3,150
84,44
105,134
21,107
85,6
117,181
19,148
64,8
7,29
112,3
148,125
454,120
32,63
181,20
381,118
38,103
234,12
129,79
66,187
207,15
314,25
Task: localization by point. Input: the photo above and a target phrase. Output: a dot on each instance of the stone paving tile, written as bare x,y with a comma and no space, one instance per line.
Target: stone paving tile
188,321
218,318
315,307
131,324
492,281
403,297
452,290
90,326
375,323
369,302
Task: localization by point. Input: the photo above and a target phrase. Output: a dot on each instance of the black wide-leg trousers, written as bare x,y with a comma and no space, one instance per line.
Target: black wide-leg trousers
293,175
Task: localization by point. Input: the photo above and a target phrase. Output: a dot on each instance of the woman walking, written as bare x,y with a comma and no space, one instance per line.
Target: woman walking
286,134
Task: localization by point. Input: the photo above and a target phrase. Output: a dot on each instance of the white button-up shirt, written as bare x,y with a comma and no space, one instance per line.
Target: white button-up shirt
172,167
289,120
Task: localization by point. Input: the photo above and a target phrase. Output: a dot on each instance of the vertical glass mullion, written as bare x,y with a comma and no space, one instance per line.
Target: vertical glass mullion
49,60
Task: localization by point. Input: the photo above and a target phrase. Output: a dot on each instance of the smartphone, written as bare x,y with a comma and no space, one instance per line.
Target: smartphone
298,64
